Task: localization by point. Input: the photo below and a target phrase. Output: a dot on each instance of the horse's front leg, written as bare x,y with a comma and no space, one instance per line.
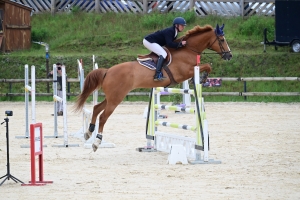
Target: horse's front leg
96,110
205,69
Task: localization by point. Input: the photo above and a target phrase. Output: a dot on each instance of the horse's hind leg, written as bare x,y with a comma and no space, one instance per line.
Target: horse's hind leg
109,109
96,110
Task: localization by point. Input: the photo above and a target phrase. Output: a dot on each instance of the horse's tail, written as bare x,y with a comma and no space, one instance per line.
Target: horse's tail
92,82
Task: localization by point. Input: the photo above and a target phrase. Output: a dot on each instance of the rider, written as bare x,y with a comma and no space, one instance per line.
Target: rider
155,41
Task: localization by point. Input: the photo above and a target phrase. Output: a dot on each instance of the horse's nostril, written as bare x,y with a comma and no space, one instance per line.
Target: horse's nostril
229,56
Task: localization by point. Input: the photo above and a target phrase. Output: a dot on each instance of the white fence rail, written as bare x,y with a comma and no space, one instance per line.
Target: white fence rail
201,8
226,79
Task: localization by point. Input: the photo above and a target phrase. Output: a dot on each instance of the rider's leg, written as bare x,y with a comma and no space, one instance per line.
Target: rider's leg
158,74
156,48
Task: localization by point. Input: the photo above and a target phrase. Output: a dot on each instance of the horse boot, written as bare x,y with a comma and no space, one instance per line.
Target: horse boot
97,142
158,74
89,132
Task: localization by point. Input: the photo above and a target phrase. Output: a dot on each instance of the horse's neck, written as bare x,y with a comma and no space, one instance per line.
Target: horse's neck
185,59
199,42
182,66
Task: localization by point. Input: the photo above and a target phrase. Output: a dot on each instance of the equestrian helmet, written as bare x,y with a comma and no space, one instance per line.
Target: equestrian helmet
179,20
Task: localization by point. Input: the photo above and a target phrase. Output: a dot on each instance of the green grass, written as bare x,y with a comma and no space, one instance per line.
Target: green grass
115,38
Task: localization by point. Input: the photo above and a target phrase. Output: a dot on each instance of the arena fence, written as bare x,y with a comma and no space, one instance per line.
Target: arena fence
201,8
243,93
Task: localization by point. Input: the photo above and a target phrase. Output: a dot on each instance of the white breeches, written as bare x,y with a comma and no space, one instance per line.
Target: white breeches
156,48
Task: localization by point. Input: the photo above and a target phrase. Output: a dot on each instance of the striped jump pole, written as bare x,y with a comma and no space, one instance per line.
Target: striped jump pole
175,125
174,90
174,108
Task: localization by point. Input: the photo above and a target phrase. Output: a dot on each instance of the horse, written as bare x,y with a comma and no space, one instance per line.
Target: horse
117,81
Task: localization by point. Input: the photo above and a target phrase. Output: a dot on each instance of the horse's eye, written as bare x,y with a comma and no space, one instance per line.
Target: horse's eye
222,40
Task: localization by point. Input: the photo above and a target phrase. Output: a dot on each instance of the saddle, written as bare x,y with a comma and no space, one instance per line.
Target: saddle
150,61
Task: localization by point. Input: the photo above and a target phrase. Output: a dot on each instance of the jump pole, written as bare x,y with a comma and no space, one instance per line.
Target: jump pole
64,101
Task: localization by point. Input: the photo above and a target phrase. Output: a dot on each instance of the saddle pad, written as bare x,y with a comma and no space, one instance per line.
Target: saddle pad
148,63
143,59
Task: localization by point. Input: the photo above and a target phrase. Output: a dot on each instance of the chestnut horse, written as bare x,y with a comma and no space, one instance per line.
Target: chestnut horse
117,81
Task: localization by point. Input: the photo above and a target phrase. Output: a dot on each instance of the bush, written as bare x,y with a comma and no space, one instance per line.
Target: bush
254,26
39,34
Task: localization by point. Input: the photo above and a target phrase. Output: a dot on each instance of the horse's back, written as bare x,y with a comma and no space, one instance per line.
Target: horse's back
127,76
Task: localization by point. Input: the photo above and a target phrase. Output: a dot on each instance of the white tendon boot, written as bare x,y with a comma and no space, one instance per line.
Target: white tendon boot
97,142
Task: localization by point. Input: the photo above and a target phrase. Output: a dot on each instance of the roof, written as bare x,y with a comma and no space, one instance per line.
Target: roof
16,4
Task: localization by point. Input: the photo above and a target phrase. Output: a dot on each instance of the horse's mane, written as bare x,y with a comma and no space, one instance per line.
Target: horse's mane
197,29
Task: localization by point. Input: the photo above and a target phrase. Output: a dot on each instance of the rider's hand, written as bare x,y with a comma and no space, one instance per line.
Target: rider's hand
183,43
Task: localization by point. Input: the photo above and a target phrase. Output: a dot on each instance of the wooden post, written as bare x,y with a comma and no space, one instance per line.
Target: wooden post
242,11
192,4
53,7
145,6
97,6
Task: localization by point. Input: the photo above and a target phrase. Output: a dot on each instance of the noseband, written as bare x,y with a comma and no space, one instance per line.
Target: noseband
223,51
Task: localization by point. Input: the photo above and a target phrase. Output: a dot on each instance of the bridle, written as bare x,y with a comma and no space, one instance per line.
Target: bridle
220,41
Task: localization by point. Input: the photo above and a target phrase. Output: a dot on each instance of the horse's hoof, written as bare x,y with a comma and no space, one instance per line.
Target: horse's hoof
94,147
87,135
96,144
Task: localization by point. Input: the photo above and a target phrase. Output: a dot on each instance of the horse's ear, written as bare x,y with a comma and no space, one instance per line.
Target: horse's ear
217,30
222,27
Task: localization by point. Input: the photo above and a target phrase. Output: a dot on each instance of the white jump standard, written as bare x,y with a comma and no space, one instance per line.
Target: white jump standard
64,100
28,89
169,142
55,98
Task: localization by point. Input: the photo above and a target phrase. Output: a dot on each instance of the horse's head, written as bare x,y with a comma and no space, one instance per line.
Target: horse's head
219,44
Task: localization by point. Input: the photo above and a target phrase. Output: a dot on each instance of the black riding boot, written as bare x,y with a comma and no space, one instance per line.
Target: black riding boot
158,74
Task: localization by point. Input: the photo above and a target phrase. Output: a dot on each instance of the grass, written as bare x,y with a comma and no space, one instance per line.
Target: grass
115,38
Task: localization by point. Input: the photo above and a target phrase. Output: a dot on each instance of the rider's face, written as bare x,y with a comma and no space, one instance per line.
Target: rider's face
180,27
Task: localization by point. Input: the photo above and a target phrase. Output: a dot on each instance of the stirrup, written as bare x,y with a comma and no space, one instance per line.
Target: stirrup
159,77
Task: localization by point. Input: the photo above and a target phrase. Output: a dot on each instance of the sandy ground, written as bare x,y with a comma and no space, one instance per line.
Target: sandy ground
258,144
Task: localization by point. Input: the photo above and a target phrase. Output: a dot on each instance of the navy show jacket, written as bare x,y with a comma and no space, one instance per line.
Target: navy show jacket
164,37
